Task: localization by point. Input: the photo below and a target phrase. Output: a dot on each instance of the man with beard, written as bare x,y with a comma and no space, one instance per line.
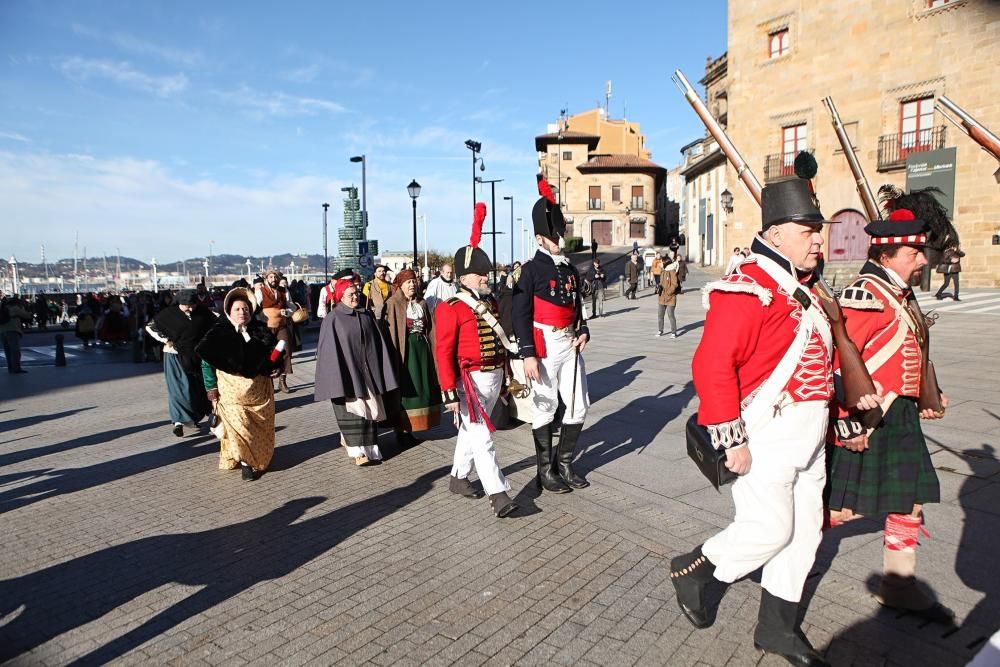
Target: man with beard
377,291
274,305
764,374
441,288
551,335
888,470
180,328
471,362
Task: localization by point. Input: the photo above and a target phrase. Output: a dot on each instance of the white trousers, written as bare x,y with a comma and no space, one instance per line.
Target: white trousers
779,504
475,443
557,381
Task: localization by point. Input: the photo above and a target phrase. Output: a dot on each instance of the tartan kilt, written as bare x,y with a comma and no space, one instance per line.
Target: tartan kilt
892,475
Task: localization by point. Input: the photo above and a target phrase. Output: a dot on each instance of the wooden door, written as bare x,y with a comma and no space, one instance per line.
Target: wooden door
601,230
848,240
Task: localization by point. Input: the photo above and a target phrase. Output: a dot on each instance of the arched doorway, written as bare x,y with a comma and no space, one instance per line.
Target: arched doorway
848,240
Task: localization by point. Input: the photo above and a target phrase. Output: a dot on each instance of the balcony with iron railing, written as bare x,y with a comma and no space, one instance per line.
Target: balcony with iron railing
893,148
595,204
638,204
780,165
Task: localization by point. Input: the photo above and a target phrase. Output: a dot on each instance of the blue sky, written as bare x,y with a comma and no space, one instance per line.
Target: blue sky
155,127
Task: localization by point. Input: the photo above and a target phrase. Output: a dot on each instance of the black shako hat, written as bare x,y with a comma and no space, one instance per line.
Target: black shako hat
472,258
546,215
187,297
789,201
902,228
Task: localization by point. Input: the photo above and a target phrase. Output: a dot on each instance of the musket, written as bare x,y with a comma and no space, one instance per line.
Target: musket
746,176
856,380
970,126
864,191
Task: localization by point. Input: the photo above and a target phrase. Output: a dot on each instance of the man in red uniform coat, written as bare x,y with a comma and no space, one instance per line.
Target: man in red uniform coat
888,470
764,374
471,362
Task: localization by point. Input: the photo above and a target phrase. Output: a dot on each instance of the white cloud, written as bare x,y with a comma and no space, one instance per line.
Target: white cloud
124,74
15,136
278,103
138,46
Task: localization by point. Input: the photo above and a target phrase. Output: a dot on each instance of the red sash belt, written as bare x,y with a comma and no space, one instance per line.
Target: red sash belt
550,315
476,410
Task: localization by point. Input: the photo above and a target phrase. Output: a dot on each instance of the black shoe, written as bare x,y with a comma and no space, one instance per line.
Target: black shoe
464,487
939,296
956,299
247,472
564,456
502,505
179,430
778,632
548,479
21,370
690,574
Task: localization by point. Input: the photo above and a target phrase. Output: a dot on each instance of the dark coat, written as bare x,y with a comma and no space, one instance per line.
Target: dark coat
632,271
951,260
185,333
352,355
225,350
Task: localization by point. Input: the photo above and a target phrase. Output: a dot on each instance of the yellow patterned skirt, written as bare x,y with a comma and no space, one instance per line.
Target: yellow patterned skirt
246,410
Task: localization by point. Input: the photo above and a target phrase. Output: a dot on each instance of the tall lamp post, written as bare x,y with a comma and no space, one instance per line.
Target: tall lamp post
476,148
16,286
326,259
493,211
414,191
521,222
364,194
511,200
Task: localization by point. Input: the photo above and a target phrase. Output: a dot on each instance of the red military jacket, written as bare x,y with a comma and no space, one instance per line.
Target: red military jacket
873,321
750,324
464,341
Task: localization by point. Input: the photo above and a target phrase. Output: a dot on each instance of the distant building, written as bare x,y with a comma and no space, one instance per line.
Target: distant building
884,63
397,261
351,234
604,179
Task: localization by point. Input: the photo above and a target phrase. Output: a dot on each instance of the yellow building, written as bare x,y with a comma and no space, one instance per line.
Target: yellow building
604,179
883,62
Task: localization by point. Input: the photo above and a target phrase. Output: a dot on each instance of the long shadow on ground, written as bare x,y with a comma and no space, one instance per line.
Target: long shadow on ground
225,561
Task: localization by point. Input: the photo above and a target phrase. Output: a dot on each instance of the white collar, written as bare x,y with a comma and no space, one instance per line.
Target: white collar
556,259
894,277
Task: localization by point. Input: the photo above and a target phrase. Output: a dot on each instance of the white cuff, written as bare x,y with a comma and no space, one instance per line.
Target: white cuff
729,434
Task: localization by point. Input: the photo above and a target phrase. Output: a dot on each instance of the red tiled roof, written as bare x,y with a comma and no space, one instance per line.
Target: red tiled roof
566,137
619,162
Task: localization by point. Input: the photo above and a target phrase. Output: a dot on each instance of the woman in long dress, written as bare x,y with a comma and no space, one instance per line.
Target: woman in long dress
237,369
354,371
419,396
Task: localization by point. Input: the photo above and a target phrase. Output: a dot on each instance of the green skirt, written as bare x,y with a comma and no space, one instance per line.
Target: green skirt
892,475
420,393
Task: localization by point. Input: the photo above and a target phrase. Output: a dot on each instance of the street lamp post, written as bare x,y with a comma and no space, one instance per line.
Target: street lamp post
364,194
414,191
476,147
326,258
493,211
511,200
521,222
16,287
156,281
250,274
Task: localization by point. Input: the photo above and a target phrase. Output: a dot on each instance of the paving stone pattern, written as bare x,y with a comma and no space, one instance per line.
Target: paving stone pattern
123,543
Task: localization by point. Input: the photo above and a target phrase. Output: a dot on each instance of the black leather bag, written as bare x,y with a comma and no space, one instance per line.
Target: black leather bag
710,461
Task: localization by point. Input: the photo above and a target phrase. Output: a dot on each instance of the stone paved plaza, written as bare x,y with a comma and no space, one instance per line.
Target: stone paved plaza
121,542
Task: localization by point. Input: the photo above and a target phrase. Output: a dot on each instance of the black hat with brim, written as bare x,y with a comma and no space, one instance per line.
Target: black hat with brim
902,228
547,219
187,297
789,201
472,260
343,273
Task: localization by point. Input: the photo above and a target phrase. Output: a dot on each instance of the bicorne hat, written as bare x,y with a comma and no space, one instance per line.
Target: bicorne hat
902,228
343,273
546,215
472,258
789,201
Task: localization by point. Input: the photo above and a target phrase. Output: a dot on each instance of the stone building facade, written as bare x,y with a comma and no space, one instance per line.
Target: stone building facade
883,62
604,179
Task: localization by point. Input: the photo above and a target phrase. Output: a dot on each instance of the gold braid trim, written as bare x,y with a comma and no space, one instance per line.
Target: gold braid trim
690,568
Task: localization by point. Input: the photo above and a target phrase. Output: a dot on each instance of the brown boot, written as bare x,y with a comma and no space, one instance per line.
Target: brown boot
502,504
899,588
464,487
283,386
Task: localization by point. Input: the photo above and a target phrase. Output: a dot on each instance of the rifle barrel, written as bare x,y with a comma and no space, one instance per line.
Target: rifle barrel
864,190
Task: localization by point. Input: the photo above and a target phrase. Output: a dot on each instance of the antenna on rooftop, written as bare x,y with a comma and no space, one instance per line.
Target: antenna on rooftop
607,101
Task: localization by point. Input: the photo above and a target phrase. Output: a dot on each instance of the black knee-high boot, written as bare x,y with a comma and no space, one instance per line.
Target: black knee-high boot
564,455
778,632
547,477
